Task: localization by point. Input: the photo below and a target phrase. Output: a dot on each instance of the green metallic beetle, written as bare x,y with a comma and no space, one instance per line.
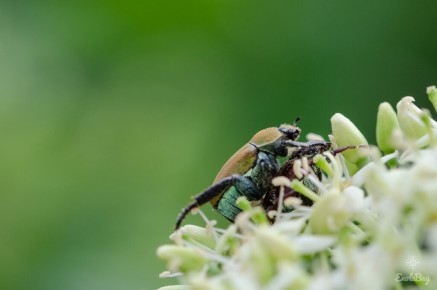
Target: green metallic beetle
249,171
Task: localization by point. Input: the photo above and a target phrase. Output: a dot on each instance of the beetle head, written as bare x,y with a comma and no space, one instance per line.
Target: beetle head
291,132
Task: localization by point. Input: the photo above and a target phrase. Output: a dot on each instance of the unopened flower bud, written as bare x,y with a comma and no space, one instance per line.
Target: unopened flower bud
243,203
347,134
330,214
181,259
432,95
281,181
386,124
276,245
409,116
253,256
198,234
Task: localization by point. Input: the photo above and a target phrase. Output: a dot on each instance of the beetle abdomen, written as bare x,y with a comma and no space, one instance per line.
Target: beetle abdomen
227,204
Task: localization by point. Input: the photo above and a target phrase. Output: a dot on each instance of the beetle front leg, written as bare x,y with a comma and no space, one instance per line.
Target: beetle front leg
307,148
309,144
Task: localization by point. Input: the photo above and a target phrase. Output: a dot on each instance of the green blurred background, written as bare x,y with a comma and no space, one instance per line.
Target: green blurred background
113,114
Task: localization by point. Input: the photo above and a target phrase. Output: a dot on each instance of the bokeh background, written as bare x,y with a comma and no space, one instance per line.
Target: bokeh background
114,113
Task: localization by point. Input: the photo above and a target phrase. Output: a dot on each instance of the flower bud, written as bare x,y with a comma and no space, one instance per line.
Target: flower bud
254,257
259,216
181,259
409,116
243,203
198,234
386,124
330,214
276,245
351,167
281,181
255,214
432,95
347,134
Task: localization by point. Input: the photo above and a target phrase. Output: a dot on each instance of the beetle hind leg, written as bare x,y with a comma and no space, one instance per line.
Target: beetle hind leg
204,197
184,213
243,184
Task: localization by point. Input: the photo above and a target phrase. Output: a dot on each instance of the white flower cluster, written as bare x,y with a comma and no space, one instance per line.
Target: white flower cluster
374,209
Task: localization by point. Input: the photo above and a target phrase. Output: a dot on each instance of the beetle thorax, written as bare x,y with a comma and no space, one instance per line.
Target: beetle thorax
265,169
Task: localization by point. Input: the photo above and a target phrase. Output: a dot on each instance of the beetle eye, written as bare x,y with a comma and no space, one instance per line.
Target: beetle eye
296,134
291,133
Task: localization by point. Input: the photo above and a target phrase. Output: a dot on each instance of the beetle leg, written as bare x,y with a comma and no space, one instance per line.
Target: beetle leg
341,149
321,144
204,197
307,148
184,213
243,184
246,187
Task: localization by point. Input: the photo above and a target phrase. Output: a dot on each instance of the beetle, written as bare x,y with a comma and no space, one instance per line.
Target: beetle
248,172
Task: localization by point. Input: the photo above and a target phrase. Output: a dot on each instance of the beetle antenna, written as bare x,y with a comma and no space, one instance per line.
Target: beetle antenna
184,213
295,121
